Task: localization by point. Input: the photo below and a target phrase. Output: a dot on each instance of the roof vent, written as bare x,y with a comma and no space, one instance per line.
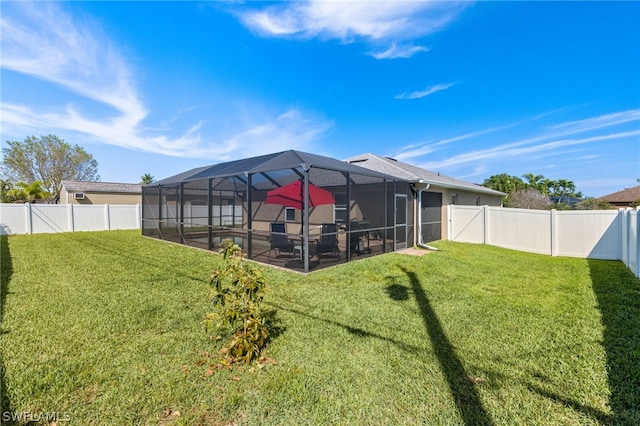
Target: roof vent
392,159
361,160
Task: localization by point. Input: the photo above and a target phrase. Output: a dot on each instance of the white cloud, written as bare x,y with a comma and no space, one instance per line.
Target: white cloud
288,130
522,150
556,137
394,52
426,92
419,150
378,22
76,57
602,121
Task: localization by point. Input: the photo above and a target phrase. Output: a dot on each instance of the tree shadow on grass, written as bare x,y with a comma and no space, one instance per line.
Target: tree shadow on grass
274,323
464,393
618,295
6,270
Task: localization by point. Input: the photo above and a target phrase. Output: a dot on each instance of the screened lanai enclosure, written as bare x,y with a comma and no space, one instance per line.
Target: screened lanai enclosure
292,209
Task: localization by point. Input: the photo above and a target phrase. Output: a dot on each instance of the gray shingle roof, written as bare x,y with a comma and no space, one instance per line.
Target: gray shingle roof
81,186
414,174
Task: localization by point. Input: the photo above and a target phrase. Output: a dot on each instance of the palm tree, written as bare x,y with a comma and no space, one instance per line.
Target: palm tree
534,181
565,187
146,179
26,192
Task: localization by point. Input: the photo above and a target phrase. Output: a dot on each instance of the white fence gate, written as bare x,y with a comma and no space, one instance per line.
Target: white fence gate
594,234
51,218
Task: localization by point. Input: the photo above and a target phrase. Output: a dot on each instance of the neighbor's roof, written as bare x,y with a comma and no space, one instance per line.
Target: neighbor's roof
411,173
83,186
628,195
268,163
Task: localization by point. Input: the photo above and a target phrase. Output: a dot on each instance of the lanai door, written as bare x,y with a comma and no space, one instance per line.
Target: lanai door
431,216
401,221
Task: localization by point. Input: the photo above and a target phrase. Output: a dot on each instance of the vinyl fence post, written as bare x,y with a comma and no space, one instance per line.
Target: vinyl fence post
138,216
485,210
71,218
107,219
449,222
623,236
28,218
637,243
624,220
554,233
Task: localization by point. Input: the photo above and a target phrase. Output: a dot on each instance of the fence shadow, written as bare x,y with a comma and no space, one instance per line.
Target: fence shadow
6,270
464,393
618,296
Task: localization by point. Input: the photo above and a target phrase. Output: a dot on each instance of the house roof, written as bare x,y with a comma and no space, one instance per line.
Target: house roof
83,186
415,174
272,162
628,195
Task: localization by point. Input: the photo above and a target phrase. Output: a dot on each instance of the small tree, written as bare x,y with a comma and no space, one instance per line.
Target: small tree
238,290
5,187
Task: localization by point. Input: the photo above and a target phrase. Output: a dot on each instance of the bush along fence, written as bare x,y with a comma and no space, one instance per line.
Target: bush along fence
594,234
51,218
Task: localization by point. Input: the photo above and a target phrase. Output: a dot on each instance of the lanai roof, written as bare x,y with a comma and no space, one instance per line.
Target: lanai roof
272,162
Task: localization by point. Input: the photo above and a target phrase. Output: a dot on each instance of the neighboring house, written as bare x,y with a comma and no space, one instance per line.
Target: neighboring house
624,198
77,192
435,191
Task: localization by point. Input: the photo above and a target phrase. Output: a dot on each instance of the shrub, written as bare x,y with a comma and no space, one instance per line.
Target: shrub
238,289
529,198
594,204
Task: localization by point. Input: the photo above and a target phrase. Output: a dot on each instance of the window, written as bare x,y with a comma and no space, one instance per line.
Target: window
340,207
289,214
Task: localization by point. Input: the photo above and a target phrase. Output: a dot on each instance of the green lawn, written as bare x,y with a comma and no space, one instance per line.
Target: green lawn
105,328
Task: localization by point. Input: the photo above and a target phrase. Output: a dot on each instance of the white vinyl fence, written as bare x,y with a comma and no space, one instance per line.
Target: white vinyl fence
51,218
594,234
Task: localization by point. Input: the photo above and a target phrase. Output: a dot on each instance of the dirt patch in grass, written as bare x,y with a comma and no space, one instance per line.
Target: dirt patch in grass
412,251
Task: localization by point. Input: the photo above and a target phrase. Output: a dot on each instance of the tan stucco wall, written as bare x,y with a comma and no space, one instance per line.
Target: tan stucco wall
464,198
264,214
101,198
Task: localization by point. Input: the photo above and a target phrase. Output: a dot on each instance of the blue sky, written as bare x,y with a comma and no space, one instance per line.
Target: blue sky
469,89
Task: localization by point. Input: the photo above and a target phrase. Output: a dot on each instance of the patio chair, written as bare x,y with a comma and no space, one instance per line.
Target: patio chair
328,242
279,241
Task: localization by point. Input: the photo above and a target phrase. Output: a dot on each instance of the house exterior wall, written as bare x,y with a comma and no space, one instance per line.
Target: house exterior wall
462,198
66,197
264,214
